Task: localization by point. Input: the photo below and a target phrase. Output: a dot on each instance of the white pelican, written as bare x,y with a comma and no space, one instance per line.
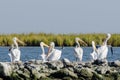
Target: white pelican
78,50
53,54
101,52
94,53
14,50
43,55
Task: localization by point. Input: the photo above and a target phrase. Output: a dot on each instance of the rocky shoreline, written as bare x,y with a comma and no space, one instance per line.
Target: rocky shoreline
60,70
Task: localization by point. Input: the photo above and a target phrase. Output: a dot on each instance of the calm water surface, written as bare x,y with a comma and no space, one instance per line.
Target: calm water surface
28,53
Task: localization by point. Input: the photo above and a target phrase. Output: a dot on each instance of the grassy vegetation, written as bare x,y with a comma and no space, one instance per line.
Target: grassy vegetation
33,39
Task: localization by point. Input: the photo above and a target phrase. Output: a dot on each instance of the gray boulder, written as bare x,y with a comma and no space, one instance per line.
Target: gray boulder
5,69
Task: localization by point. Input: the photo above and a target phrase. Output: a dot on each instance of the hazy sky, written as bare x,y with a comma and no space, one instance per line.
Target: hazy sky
60,16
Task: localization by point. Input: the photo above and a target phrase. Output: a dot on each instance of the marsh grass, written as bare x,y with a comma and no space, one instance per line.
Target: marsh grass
33,39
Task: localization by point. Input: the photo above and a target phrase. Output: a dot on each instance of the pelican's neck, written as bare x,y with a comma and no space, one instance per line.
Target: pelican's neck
106,40
16,44
93,45
52,46
42,48
51,49
77,44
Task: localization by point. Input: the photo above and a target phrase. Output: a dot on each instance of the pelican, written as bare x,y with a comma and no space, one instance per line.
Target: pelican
78,51
94,53
43,55
101,52
53,54
14,50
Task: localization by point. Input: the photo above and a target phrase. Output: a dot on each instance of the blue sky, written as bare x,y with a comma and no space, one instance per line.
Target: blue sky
60,16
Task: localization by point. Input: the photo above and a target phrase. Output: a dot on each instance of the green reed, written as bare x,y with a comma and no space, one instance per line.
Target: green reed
33,39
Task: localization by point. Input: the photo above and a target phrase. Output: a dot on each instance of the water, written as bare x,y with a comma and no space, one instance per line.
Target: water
28,53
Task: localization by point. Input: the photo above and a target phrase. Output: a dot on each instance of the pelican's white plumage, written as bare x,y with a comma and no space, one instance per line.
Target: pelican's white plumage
78,51
43,55
53,54
102,51
94,53
14,50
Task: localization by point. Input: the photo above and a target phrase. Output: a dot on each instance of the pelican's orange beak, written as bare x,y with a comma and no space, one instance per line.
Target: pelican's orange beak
21,42
83,42
43,44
